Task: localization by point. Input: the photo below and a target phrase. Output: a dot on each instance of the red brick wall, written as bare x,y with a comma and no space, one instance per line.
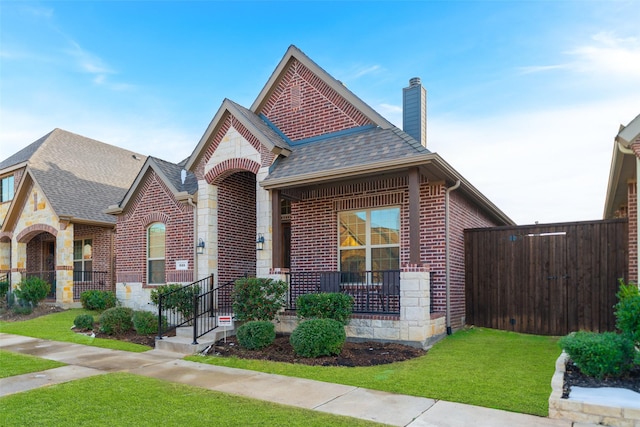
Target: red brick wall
632,214
103,241
314,230
154,202
236,226
303,106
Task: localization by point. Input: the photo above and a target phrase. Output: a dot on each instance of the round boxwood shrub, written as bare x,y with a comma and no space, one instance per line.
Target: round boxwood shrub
146,322
256,334
83,321
97,300
599,354
318,337
116,320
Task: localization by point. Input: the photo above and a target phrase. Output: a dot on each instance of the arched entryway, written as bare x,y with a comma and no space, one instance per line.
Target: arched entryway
41,260
236,226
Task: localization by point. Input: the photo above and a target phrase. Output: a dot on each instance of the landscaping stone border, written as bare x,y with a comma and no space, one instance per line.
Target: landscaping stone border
583,412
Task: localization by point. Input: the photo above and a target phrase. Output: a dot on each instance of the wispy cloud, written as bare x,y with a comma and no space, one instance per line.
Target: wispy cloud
365,71
604,54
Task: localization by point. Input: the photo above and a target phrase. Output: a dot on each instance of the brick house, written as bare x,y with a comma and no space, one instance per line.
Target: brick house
155,223
54,192
622,189
313,186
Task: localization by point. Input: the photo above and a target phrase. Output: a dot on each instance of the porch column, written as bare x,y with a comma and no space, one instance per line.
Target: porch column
64,264
5,256
207,218
276,226
414,216
417,324
18,262
264,225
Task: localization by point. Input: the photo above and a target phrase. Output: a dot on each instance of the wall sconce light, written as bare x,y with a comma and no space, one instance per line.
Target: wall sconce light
260,242
200,247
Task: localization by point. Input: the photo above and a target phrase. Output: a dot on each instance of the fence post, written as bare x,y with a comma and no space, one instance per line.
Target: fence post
160,316
211,296
194,318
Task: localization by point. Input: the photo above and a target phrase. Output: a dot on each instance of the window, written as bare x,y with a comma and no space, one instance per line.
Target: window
155,253
82,260
7,188
369,240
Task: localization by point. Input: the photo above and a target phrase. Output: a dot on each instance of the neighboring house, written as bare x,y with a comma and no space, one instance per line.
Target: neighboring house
54,192
622,190
313,186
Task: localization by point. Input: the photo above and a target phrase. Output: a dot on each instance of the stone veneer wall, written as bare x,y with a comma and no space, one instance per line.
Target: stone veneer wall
583,412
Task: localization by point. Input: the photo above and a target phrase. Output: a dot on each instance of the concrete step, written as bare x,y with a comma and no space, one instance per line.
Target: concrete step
184,343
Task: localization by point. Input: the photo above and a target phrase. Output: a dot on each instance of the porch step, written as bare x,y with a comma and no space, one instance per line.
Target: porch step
183,341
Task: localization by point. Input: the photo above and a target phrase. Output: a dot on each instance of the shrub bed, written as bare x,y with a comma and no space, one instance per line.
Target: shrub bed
116,320
318,337
325,305
96,300
256,334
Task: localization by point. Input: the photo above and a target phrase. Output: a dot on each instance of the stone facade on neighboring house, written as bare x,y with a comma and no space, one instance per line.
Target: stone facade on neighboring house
622,190
53,226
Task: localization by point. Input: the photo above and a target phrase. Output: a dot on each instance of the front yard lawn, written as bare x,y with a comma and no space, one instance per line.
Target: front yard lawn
477,366
12,364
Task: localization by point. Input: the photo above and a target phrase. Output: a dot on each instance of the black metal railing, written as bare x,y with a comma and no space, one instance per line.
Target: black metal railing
89,281
48,276
198,305
373,292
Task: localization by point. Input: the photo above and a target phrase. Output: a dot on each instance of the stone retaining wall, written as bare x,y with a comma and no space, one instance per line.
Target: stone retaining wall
583,412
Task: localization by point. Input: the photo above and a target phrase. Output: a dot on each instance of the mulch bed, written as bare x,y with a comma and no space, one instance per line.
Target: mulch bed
353,353
574,378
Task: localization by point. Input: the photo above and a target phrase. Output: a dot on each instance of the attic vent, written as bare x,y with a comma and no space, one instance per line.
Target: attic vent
295,97
183,175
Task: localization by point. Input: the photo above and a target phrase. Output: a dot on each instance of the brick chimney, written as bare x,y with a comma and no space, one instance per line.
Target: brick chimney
414,110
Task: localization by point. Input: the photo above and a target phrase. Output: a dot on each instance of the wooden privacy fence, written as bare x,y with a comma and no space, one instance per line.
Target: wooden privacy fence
545,279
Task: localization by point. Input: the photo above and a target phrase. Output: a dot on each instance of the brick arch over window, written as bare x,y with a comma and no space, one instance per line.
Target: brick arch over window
228,167
29,232
155,217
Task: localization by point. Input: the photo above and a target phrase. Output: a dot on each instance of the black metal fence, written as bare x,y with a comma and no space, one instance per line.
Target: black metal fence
374,292
197,305
89,280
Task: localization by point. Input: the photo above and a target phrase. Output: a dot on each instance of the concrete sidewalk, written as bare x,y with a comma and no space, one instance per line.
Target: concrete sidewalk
388,408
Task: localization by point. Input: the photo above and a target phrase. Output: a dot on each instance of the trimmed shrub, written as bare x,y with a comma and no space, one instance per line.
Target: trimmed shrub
32,290
4,288
258,298
627,311
83,321
599,355
146,322
97,300
256,334
325,305
116,320
318,337
177,298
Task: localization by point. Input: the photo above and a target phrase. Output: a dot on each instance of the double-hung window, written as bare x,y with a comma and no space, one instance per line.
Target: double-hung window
369,240
155,253
7,189
82,260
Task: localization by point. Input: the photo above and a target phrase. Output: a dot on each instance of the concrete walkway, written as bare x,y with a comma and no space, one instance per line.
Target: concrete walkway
393,409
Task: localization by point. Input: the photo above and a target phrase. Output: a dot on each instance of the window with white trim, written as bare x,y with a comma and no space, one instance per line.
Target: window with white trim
369,240
7,188
82,259
156,238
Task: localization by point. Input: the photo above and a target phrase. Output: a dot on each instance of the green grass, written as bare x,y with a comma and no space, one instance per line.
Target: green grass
17,364
477,366
123,399
57,327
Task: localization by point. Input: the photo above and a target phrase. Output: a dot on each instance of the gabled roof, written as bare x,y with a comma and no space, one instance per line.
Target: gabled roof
254,123
293,53
623,167
181,182
78,175
354,151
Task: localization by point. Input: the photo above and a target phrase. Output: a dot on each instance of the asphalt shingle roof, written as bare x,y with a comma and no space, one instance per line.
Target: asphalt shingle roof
359,148
173,172
80,176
